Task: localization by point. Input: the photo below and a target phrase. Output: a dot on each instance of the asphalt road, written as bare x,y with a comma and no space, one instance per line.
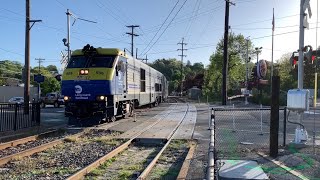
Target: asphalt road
51,116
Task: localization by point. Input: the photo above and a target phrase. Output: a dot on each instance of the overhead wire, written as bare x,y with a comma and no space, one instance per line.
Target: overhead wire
166,27
174,7
185,18
192,18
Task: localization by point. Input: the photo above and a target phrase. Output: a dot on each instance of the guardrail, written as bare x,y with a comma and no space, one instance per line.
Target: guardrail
13,117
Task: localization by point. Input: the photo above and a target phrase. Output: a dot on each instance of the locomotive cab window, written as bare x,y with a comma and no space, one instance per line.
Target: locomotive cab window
142,80
102,61
86,62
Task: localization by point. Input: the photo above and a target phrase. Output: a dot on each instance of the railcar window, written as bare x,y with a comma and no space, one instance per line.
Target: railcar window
142,80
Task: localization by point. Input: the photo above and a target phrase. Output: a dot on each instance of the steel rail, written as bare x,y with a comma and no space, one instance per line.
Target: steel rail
148,169
81,173
24,140
45,146
29,152
186,163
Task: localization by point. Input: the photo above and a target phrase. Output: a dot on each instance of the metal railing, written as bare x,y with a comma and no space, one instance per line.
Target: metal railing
13,117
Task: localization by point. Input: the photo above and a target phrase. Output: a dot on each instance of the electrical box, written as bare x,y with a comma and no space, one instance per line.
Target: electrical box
298,100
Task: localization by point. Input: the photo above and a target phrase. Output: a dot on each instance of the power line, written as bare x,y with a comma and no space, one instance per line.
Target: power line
166,27
193,17
186,18
256,22
160,27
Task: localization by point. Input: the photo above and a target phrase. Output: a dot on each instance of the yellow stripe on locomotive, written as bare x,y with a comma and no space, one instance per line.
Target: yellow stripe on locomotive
93,74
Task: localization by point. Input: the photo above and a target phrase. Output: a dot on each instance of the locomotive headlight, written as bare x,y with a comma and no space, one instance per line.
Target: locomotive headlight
86,71
101,98
66,98
81,71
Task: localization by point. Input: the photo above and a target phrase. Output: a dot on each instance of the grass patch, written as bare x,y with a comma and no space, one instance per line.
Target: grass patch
125,174
111,142
102,139
178,144
101,169
135,167
62,170
158,172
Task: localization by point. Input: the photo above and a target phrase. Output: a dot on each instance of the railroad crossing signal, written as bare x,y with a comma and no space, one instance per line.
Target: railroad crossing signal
310,55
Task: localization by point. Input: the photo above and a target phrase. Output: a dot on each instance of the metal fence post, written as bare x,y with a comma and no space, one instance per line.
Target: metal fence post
38,113
233,120
284,126
33,108
261,131
211,152
15,117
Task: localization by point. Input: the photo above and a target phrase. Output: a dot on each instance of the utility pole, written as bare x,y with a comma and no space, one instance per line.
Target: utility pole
225,54
40,60
27,58
146,59
132,35
247,76
68,34
182,55
67,41
136,53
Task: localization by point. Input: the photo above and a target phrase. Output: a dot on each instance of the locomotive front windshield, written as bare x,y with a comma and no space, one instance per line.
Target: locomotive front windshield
91,62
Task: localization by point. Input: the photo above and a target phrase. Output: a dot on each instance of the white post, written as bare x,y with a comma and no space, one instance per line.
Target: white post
261,120
233,120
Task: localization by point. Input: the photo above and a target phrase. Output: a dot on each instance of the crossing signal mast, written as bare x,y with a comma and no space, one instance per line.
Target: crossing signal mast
298,99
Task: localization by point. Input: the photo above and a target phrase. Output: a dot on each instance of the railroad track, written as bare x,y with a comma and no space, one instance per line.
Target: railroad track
135,151
27,146
111,148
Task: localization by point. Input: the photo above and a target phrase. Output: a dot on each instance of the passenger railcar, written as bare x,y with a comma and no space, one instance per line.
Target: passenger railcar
102,83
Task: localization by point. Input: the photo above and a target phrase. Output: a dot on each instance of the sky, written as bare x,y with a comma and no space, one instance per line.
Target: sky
163,24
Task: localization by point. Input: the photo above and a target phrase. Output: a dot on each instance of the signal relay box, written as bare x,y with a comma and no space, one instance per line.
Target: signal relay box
298,100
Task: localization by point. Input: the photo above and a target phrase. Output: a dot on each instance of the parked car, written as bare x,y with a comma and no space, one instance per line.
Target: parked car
61,100
53,98
16,100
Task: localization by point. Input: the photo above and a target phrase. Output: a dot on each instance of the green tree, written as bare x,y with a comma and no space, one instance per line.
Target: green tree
171,68
50,84
237,48
52,68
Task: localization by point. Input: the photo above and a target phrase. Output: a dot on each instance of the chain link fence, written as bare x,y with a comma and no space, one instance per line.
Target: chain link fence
241,131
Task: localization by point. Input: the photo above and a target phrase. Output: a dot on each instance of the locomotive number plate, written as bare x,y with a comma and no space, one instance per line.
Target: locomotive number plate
83,77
